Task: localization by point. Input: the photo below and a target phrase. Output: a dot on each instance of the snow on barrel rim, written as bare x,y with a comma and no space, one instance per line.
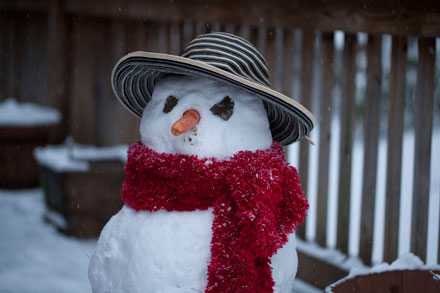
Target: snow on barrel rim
13,114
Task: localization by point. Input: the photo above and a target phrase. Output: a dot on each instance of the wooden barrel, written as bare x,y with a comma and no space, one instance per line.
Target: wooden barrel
18,168
401,281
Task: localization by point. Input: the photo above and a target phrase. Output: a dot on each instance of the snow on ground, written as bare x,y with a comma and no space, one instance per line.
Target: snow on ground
13,113
34,257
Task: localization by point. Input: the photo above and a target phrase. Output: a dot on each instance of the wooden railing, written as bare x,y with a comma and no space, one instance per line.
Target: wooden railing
61,54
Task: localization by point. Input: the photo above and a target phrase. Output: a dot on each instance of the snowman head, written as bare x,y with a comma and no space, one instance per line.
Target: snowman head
199,116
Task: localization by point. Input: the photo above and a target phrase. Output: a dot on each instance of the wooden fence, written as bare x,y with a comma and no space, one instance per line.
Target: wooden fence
61,54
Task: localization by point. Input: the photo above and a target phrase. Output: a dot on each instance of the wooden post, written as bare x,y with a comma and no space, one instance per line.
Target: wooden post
58,61
136,36
395,139
253,36
187,35
164,37
175,36
287,62
152,29
307,55
327,77
270,54
371,138
3,53
111,118
15,40
287,68
422,152
83,102
346,144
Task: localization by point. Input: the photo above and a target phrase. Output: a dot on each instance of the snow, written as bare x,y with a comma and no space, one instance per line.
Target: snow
34,257
76,157
247,128
13,113
406,261
153,252
330,255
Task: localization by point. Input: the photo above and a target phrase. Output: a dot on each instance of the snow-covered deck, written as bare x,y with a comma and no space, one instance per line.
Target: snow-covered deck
34,257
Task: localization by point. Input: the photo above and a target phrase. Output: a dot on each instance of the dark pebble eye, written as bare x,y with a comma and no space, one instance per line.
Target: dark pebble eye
224,109
170,103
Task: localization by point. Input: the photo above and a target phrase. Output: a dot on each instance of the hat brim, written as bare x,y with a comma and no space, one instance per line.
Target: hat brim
136,74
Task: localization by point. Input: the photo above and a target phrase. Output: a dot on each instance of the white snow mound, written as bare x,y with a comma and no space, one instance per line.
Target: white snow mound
13,113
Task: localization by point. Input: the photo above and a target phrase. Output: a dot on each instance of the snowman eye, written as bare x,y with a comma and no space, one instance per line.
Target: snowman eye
170,103
224,109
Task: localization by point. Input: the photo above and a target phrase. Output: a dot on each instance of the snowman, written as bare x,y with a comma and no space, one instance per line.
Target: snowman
210,203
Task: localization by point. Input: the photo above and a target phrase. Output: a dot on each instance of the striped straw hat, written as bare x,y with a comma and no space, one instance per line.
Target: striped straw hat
220,56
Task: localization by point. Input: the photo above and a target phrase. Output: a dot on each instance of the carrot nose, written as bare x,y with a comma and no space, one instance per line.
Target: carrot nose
188,121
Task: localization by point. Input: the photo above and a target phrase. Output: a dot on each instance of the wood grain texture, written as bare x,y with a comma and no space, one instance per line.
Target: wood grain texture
327,83
58,61
310,267
391,281
288,62
346,144
377,17
371,137
422,153
15,55
394,148
3,53
270,54
83,102
35,71
306,79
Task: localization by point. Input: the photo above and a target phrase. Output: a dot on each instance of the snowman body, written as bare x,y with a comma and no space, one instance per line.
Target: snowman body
169,251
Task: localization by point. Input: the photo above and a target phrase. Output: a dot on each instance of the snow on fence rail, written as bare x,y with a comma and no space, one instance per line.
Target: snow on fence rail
373,178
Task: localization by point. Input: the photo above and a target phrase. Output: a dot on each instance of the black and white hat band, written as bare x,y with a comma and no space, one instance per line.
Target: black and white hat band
220,56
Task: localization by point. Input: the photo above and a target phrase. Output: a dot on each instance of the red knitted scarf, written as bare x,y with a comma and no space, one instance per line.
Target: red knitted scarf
256,198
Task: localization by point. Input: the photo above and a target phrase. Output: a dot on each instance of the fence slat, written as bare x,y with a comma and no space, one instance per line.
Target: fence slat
186,35
253,36
307,54
327,76
174,41
3,53
395,139
422,152
115,124
82,126
346,144
270,54
136,36
58,60
287,62
3,57
152,33
16,42
164,37
371,138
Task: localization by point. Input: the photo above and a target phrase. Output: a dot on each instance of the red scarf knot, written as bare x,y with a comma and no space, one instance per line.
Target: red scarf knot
256,198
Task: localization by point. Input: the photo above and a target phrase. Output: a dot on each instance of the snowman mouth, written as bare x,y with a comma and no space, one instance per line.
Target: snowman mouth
190,138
